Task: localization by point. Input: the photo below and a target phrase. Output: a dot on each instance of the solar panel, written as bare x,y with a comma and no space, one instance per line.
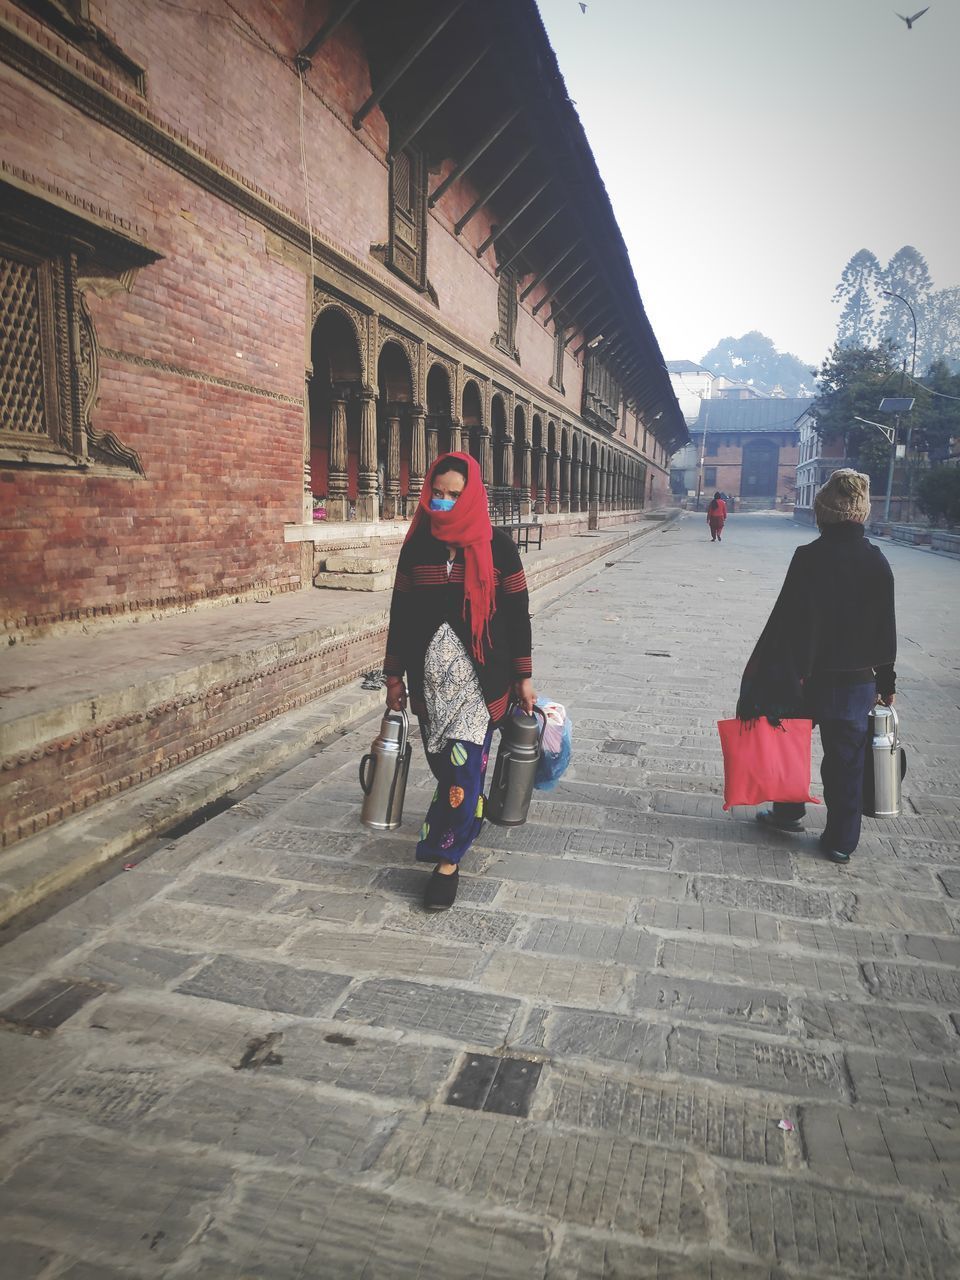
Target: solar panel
896,404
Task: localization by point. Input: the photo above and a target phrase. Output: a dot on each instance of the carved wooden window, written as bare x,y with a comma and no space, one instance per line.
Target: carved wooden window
506,336
37,399
408,216
71,19
601,393
49,356
556,379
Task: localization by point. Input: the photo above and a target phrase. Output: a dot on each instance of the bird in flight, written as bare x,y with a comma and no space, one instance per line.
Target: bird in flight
913,17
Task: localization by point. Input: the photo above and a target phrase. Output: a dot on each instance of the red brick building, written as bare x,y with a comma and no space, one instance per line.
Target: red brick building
749,449
256,256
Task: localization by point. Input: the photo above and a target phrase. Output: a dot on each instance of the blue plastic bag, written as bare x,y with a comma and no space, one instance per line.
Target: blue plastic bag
557,745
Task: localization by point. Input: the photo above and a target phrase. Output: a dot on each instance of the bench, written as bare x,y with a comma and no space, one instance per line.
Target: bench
505,514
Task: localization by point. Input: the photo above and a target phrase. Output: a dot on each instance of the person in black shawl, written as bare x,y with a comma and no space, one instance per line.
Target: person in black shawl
827,653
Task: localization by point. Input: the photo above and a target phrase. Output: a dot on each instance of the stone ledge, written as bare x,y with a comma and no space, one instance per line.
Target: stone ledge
354,579
941,540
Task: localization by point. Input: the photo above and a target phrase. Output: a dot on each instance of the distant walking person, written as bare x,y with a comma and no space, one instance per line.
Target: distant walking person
827,653
460,631
716,517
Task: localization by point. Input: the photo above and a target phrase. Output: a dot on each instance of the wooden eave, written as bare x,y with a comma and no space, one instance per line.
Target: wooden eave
508,117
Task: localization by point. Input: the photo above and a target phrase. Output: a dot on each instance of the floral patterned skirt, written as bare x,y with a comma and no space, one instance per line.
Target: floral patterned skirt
456,733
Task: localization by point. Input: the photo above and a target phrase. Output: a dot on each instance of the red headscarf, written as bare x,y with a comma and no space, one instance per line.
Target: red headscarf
468,527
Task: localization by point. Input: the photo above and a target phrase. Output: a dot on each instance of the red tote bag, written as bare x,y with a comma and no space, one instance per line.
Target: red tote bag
761,763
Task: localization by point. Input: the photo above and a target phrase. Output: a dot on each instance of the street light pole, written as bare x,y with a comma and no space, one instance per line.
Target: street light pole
906,452
913,359
890,435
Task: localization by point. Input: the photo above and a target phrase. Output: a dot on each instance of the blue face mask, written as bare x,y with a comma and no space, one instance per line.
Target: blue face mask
442,504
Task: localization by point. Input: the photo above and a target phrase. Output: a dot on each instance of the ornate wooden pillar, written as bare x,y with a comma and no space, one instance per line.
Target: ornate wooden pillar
594,508
391,490
432,441
306,512
525,475
574,484
418,458
554,463
367,504
539,467
506,477
456,436
337,463
486,459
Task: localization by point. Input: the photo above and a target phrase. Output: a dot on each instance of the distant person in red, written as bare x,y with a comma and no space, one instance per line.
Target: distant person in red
716,515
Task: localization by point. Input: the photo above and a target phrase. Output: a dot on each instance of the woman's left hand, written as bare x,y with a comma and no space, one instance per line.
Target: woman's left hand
525,695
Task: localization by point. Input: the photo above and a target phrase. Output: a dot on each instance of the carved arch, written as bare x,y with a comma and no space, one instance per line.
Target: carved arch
357,321
387,332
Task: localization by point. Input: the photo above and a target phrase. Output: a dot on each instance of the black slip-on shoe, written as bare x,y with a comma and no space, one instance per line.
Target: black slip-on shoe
836,856
767,818
441,890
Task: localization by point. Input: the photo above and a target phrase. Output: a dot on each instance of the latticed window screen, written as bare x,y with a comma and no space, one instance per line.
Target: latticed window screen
558,357
507,310
21,349
401,183
408,215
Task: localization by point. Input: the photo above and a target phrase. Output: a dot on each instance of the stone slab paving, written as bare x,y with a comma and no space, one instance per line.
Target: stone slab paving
237,1061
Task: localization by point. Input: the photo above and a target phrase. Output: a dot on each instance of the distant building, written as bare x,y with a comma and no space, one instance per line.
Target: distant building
725,388
816,461
747,448
691,384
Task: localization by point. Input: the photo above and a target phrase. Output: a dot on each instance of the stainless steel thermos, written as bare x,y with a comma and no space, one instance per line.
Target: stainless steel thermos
383,773
884,766
513,776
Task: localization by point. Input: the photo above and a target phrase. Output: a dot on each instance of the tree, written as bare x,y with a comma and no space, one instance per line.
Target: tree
867,317
935,417
908,275
859,291
851,383
938,494
755,360
940,328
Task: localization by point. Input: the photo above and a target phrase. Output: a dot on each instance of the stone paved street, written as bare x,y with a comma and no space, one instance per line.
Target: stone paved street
651,1039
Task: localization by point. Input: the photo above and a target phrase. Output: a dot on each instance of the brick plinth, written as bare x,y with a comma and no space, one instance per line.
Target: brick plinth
141,733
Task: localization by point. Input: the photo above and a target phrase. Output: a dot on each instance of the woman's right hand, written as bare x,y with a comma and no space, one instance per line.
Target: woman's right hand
396,694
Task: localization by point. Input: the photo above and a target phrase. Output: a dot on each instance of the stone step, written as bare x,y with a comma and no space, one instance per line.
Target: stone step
359,562
381,581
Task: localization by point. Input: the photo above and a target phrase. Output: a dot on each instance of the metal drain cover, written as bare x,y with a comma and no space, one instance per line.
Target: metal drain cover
503,1085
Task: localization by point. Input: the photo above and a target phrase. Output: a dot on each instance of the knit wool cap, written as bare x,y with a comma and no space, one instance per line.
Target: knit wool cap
845,497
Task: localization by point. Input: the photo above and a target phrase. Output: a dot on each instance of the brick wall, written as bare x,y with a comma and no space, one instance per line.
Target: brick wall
201,371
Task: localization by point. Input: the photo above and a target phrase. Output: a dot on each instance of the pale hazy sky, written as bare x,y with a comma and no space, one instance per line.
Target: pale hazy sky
750,147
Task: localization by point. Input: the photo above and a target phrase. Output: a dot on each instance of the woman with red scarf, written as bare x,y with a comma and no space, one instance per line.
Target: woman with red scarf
716,516
460,632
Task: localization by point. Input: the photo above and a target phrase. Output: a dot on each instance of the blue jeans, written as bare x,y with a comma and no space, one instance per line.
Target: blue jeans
840,712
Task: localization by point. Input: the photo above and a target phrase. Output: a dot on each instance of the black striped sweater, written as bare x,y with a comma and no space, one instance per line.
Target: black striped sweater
424,597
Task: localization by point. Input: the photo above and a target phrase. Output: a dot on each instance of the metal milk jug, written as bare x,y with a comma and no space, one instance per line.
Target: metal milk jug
383,773
513,776
884,766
